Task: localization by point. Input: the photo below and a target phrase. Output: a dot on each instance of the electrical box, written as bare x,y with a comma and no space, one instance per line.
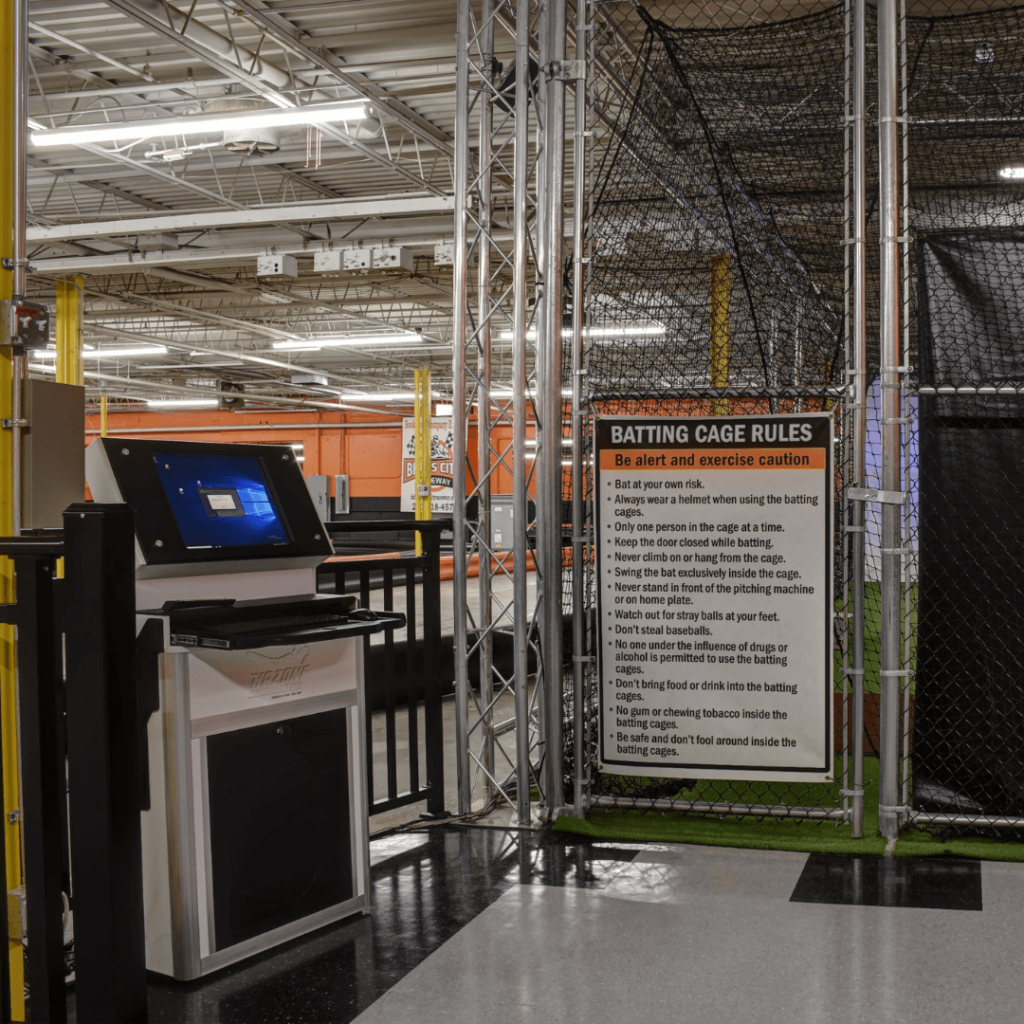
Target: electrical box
52,451
354,260
394,259
501,522
280,265
342,505
330,262
444,254
318,489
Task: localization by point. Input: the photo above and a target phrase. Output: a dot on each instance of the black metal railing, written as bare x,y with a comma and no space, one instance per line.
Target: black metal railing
401,674
75,644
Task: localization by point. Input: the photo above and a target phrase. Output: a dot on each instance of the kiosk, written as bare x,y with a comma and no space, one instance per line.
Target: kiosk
254,816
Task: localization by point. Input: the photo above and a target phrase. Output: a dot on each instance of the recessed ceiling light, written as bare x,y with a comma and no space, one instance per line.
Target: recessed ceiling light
1012,173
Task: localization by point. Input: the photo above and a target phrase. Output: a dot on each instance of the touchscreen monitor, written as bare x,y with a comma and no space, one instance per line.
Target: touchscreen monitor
220,501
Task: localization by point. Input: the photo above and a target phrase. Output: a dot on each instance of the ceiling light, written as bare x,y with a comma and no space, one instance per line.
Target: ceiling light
142,129
385,396
598,332
1012,173
355,341
114,353
444,409
182,403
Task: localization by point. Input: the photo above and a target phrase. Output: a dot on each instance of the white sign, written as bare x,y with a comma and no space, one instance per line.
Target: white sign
442,462
715,601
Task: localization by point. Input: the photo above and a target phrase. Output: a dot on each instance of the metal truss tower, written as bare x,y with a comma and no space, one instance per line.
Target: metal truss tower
510,211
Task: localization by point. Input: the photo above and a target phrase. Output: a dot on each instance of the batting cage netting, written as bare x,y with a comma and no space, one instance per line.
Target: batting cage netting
719,280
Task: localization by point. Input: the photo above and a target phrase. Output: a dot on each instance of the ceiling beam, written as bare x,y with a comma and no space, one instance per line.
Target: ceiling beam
301,44
263,77
288,213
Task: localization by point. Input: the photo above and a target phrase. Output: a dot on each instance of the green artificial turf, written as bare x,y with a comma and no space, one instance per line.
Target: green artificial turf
915,843
748,833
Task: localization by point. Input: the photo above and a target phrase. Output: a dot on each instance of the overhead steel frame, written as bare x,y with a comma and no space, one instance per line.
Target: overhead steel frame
510,171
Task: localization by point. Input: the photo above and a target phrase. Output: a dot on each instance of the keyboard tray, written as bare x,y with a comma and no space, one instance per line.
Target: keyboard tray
248,625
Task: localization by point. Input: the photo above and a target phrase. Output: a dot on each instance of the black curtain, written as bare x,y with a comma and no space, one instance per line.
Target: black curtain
969,711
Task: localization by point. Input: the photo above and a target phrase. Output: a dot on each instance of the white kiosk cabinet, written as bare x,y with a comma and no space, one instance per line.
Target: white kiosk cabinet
256,825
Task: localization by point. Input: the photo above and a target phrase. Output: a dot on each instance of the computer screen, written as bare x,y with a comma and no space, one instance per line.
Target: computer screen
220,501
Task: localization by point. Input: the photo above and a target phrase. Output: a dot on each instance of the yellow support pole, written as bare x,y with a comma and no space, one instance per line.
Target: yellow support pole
423,429
8,674
69,331
103,415
720,291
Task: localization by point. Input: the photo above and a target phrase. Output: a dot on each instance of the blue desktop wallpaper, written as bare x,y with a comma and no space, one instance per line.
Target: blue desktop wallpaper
253,519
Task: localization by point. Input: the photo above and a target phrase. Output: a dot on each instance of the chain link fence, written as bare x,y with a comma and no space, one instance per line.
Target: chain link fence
722,171
963,600
722,192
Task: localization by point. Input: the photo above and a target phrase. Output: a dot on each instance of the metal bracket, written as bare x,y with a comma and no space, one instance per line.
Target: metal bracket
856,791
566,71
895,419
14,815
895,672
855,529
583,657
9,263
9,424
874,494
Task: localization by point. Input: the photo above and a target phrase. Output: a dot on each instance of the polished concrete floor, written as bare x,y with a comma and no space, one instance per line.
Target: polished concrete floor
492,926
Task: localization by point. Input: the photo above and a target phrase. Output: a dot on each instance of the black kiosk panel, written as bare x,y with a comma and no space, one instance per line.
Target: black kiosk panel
197,502
280,839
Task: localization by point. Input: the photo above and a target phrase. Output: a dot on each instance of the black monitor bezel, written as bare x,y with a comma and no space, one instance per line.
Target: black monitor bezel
134,469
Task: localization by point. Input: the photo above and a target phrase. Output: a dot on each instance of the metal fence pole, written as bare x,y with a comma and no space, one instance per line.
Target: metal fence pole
579,545
859,410
520,495
104,751
549,504
483,410
461,408
891,471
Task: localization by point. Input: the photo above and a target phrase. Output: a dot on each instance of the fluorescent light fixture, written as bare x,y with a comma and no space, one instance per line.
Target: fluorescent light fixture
137,352
600,332
275,117
1012,173
385,396
182,403
364,341
444,409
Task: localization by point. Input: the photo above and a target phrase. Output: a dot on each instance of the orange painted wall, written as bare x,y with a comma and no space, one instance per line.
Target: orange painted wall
370,456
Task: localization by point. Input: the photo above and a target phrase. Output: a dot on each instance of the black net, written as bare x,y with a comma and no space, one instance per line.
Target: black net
964,154
718,277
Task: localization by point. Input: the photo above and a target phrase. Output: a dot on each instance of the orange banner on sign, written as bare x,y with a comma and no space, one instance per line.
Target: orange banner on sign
630,459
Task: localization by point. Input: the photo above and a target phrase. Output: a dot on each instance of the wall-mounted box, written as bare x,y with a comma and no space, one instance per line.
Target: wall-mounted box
354,260
53,452
279,265
329,262
444,254
394,259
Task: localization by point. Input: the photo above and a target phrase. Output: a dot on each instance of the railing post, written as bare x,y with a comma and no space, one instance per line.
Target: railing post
433,720
42,808
103,764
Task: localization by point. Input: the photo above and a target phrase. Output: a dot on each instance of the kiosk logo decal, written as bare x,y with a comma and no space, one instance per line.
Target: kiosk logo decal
277,677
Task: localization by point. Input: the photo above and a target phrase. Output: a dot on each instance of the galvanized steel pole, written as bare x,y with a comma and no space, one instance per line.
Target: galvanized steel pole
549,490
579,545
462,407
891,557
859,409
520,495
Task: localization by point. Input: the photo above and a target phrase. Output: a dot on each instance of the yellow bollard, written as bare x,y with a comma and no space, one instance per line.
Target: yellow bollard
720,290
